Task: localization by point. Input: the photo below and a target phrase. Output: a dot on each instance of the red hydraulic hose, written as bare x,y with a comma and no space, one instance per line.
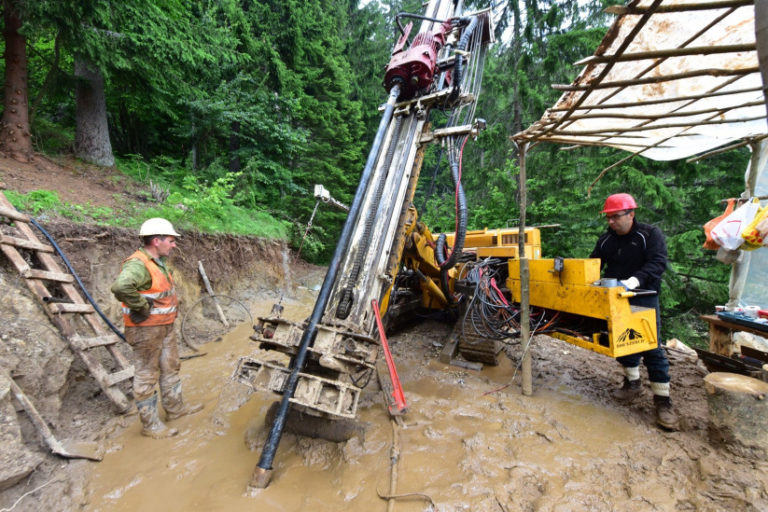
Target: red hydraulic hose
397,393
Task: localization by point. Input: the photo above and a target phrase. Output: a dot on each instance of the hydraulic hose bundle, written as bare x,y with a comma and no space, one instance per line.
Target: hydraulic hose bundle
489,313
461,48
446,263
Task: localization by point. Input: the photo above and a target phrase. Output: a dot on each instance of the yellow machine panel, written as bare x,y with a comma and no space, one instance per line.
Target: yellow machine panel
501,243
602,317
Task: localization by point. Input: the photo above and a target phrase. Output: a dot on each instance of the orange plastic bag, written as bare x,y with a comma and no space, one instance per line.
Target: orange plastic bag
710,225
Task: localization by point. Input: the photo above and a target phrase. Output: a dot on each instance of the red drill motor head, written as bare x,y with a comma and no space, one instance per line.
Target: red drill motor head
414,68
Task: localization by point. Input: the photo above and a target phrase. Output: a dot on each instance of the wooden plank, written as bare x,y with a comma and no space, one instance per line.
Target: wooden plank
113,378
659,78
449,349
95,324
46,275
13,213
102,377
83,343
732,326
58,307
17,259
26,230
49,262
39,290
73,292
209,289
668,52
702,6
119,399
25,244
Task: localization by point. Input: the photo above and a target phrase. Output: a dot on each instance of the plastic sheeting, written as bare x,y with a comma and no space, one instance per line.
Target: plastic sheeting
671,79
755,263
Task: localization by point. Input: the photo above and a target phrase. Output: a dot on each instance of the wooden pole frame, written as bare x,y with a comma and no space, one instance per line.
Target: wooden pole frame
671,52
525,307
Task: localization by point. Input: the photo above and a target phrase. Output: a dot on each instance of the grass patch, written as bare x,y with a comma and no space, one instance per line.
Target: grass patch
166,191
45,203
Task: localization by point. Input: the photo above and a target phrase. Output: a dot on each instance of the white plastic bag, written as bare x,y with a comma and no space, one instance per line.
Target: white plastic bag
728,232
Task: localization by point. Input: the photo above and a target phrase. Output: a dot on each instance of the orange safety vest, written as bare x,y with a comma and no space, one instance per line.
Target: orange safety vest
162,292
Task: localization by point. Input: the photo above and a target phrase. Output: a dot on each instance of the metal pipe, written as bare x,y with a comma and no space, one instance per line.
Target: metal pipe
262,474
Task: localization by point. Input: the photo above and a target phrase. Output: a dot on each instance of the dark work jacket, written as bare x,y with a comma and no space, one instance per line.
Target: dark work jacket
641,253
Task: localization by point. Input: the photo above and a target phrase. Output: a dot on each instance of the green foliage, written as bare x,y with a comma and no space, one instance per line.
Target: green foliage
194,203
48,203
219,219
35,201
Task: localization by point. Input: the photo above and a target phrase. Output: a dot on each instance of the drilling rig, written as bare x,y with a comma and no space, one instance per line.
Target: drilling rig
386,256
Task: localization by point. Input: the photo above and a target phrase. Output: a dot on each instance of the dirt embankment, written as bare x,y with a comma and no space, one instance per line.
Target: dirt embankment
34,354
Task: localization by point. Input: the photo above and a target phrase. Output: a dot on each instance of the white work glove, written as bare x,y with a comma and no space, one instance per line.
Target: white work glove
631,283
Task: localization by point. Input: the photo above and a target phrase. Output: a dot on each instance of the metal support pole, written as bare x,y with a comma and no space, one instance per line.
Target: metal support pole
262,474
525,308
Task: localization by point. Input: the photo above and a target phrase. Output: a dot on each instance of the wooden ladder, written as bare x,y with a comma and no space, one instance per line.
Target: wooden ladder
63,303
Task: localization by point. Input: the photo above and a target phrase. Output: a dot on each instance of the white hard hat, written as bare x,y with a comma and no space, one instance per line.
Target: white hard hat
157,226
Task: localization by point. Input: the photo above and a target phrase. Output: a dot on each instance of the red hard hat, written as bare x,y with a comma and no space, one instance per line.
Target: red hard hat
619,202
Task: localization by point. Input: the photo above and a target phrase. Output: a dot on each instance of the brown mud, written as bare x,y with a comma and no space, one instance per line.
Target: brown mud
468,442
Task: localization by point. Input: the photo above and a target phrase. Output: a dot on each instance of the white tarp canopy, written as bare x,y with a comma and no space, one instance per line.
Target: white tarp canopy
671,79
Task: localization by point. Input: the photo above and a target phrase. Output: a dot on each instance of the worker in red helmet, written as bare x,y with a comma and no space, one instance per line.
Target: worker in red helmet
636,254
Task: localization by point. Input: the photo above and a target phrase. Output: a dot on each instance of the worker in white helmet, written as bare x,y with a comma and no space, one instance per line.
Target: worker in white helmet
145,288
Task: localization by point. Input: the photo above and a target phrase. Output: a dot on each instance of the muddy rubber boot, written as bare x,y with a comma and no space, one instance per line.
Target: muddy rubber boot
666,416
174,405
152,426
630,390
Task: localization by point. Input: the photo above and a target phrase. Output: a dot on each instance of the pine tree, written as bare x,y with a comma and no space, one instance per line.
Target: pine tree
15,138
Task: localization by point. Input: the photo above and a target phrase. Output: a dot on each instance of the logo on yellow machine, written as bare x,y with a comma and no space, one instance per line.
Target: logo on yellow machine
630,337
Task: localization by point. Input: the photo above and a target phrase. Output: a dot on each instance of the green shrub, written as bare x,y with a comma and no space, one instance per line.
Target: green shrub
35,201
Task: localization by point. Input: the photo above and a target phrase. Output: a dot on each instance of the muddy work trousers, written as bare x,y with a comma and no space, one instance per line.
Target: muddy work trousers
155,359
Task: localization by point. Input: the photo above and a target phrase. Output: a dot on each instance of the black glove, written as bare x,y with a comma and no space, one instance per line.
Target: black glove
139,315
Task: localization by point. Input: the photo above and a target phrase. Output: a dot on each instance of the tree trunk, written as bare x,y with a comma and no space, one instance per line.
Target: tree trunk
15,140
738,413
761,37
91,129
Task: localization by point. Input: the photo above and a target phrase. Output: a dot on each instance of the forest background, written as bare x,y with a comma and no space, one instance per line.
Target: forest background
230,111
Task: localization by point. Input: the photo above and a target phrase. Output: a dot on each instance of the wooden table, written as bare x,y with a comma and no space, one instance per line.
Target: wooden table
720,333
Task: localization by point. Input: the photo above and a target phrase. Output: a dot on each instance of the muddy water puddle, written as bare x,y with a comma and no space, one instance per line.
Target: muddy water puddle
464,447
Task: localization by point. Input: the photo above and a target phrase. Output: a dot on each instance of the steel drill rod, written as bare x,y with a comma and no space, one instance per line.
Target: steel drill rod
263,471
